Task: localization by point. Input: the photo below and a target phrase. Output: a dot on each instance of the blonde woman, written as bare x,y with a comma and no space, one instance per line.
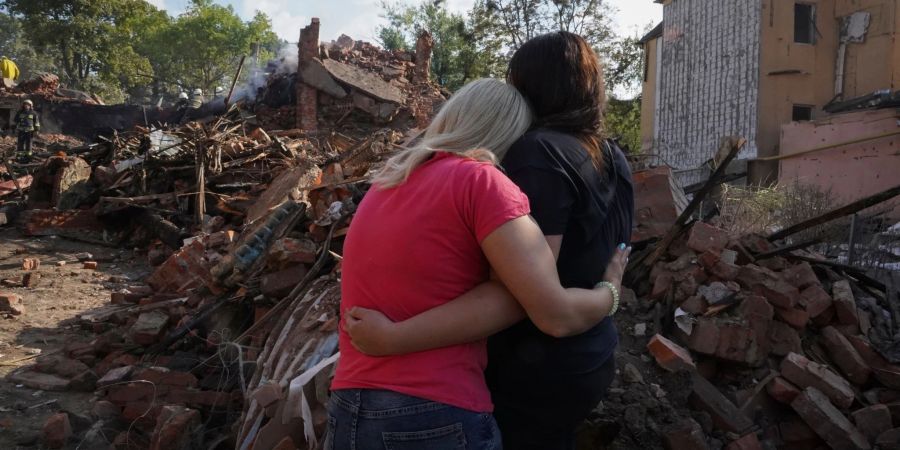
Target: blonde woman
438,219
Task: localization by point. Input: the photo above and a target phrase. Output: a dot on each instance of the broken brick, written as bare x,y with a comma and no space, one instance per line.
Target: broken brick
11,303
287,251
42,381
727,417
31,279
778,293
56,431
827,421
705,237
267,394
31,264
695,305
661,285
844,303
149,327
794,317
164,377
845,356
815,300
782,390
90,265
804,373
748,442
873,421
175,426
756,306
686,435
783,339
704,336
105,410
801,276
669,355
751,275
884,372
114,376
280,284
739,343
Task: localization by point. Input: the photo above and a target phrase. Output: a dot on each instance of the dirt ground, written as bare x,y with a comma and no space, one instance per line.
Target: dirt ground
63,292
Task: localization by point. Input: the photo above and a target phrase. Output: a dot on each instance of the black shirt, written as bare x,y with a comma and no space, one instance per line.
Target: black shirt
593,211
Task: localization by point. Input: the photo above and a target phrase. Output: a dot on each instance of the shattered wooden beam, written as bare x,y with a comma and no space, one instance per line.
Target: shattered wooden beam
787,249
166,231
843,211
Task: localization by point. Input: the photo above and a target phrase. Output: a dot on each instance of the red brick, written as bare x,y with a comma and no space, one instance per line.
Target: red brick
175,426
805,373
724,271
844,303
687,287
873,421
141,413
686,435
669,355
782,390
815,300
56,431
779,293
845,356
149,327
889,439
756,306
709,258
748,442
11,303
90,265
105,410
267,394
884,372
705,237
726,417
756,243
166,377
288,251
662,284
184,270
796,430
801,276
31,264
695,305
827,421
794,317
280,284
704,336
122,394
775,263
739,343
783,339
31,279
751,275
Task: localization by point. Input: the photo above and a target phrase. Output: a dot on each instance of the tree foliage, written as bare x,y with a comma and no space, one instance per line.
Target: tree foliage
622,121
460,53
119,48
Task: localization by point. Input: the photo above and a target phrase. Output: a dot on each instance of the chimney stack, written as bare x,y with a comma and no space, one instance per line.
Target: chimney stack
307,96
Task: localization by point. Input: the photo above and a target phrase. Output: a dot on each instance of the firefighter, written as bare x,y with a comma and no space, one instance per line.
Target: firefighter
220,92
8,69
26,123
197,99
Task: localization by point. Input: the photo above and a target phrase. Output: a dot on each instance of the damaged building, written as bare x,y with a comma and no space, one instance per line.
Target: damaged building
751,67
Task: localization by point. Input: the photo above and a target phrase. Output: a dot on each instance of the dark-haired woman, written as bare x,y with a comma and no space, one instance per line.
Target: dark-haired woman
579,187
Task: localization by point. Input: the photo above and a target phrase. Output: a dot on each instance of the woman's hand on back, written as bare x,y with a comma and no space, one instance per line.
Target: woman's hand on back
615,270
371,332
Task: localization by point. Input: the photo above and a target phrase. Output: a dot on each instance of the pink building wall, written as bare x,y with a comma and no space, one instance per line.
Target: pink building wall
851,171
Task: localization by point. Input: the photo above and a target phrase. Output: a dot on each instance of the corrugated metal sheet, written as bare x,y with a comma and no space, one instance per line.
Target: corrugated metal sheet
709,81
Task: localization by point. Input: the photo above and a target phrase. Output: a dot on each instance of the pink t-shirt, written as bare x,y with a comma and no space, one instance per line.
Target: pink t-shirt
414,247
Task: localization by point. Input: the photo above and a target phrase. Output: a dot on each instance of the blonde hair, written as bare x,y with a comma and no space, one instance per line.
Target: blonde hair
486,114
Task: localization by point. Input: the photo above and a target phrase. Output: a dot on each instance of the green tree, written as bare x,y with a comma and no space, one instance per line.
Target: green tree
16,46
91,40
202,47
622,121
459,54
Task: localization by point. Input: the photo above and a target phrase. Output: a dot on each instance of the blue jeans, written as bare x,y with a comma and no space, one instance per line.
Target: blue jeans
368,419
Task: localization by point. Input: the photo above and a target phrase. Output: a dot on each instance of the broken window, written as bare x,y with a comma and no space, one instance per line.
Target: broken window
804,23
801,113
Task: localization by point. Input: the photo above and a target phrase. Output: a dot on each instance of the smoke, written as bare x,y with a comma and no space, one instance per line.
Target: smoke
285,63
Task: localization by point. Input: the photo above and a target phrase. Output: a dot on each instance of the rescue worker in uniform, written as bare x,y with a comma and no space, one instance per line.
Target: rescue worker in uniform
26,123
197,99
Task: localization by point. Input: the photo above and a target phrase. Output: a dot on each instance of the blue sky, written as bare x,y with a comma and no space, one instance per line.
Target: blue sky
359,18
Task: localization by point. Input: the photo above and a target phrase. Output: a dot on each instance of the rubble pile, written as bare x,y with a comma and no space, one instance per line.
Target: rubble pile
243,226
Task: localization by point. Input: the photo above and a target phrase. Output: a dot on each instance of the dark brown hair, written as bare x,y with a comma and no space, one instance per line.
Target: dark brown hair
562,78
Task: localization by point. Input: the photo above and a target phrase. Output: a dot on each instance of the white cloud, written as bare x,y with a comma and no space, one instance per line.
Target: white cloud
160,4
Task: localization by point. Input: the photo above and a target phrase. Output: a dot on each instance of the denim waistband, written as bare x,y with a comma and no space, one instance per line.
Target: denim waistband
377,403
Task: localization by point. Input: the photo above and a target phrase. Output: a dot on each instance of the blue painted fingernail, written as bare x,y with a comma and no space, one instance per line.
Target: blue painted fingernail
622,246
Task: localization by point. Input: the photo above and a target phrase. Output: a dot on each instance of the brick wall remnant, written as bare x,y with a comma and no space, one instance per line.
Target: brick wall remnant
307,117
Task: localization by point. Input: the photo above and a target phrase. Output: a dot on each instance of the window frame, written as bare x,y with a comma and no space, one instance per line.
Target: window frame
796,106
813,29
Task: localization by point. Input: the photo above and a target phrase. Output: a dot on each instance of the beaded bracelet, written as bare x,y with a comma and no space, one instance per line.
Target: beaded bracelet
615,294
